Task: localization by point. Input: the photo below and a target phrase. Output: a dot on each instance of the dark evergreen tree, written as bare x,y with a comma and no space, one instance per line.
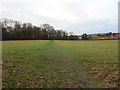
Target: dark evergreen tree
84,36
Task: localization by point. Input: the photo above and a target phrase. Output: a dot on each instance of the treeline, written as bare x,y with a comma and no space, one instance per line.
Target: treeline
15,30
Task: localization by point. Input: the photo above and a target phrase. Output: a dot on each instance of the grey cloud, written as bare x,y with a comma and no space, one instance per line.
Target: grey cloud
99,21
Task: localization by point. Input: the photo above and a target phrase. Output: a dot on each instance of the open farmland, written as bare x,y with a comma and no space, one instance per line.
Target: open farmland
61,64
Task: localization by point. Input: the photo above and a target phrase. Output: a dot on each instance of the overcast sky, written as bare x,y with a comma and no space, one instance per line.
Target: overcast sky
78,16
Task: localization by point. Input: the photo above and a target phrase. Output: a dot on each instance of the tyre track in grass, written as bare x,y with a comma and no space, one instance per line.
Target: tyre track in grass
67,72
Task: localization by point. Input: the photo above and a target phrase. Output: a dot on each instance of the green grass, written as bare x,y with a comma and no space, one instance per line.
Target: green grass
61,64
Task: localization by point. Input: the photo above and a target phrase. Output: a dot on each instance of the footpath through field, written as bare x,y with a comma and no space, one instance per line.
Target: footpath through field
50,64
66,71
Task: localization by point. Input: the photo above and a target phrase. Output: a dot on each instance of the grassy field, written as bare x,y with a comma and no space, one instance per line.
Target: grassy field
60,64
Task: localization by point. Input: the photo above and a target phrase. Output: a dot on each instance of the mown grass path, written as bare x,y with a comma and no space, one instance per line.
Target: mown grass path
45,64
67,71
